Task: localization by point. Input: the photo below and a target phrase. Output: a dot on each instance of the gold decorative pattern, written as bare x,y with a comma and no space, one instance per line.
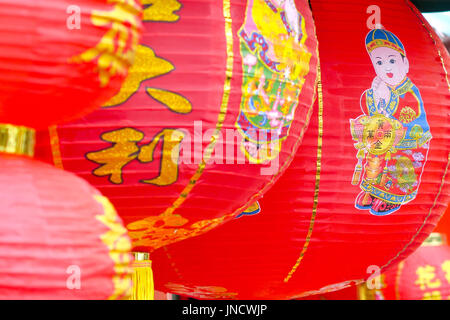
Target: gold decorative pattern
119,246
329,288
161,10
407,115
426,218
147,66
159,231
114,54
202,292
17,140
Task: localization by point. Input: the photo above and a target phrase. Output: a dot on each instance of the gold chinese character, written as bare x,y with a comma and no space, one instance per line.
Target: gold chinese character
161,10
146,67
169,156
119,245
446,268
123,151
174,101
426,278
434,295
115,52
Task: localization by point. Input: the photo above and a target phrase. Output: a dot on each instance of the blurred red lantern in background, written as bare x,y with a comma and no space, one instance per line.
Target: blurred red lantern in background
60,59
60,238
359,194
210,116
425,274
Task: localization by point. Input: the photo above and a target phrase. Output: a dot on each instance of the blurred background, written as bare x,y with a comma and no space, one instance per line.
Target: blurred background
437,12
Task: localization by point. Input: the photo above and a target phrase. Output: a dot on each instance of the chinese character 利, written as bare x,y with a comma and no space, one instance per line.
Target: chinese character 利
113,159
125,149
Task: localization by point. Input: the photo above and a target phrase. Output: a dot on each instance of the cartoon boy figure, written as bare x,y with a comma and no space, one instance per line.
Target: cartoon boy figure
392,136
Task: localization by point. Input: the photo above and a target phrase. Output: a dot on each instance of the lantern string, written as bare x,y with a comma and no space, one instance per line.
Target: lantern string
17,140
318,172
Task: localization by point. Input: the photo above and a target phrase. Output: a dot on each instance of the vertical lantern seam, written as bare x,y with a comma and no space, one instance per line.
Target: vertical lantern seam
55,147
170,259
317,183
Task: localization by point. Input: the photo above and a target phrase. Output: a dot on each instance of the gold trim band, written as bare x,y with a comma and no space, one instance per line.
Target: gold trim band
141,256
17,140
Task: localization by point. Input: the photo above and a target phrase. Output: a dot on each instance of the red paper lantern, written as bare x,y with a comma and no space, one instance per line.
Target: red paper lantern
210,116
60,59
424,275
313,234
60,238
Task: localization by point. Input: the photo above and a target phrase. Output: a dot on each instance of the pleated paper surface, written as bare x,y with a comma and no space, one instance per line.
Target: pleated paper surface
367,185
209,118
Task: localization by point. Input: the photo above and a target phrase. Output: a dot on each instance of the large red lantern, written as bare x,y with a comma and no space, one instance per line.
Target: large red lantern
60,59
60,238
210,116
365,188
